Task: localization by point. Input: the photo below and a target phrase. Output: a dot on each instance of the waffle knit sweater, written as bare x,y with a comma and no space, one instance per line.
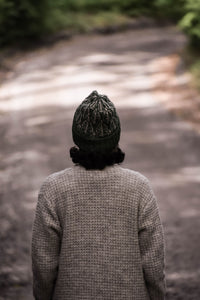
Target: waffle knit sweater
97,235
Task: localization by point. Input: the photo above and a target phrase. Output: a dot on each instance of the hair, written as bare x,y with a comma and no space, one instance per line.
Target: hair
96,160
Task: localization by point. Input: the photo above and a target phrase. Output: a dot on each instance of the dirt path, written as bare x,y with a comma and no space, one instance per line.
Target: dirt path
37,102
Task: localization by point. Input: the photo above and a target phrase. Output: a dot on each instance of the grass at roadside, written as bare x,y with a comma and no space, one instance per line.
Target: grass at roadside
195,70
191,58
82,22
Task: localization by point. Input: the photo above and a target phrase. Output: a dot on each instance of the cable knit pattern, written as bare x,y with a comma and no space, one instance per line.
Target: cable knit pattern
97,235
96,125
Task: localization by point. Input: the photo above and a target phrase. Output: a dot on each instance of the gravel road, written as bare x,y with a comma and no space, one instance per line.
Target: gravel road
37,100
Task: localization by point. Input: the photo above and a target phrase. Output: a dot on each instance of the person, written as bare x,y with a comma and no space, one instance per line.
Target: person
97,232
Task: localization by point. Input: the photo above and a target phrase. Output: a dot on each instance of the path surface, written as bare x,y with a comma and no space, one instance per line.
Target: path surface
37,102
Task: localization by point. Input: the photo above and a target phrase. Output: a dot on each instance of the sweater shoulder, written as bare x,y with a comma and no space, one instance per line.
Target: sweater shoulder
52,181
132,174
60,175
142,183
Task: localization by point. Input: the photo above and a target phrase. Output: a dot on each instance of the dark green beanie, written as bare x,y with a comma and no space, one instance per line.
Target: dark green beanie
96,125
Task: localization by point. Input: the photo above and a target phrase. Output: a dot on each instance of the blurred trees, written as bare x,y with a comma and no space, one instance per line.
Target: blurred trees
190,23
186,13
173,10
22,20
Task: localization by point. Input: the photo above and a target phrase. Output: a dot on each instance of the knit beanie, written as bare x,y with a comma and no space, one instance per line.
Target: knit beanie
96,125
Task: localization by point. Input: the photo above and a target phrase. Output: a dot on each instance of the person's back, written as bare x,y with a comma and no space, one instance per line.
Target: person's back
97,234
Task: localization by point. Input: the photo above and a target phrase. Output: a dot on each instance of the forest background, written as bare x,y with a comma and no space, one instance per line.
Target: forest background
26,21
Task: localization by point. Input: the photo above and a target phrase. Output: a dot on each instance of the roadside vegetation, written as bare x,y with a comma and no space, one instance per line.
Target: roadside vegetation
26,21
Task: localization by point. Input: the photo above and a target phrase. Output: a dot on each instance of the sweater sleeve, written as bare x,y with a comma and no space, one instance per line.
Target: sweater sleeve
46,237
151,241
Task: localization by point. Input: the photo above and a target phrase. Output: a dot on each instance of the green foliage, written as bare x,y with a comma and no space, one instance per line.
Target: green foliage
170,9
195,70
30,19
190,23
191,59
93,6
24,19
137,8
83,22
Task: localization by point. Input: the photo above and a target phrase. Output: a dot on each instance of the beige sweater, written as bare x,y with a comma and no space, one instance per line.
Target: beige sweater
97,235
